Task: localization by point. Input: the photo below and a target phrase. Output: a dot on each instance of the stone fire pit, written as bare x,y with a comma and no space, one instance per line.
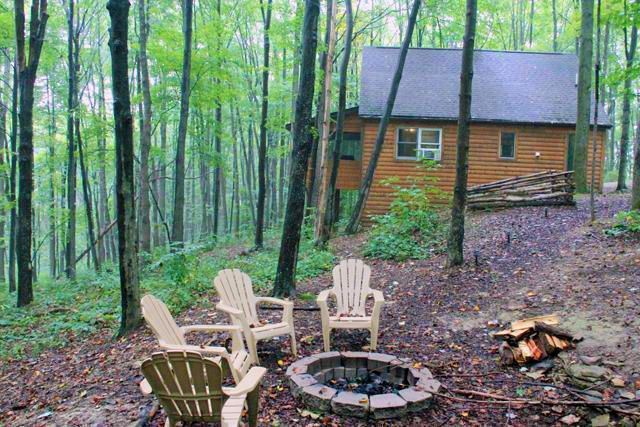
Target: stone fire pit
346,383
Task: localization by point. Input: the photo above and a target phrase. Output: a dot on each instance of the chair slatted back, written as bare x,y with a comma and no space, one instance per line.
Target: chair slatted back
186,384
235,289
351,286
159,319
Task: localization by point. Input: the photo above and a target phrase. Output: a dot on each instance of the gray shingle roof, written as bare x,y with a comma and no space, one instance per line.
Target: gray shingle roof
514,87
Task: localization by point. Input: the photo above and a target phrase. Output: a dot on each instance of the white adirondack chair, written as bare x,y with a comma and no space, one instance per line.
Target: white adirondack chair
237,300
171,337
351,290
189,388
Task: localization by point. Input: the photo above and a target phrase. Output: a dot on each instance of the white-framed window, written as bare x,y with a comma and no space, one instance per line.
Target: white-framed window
419,143
507,145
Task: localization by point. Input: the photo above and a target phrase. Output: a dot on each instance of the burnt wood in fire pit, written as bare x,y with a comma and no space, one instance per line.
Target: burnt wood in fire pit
360,384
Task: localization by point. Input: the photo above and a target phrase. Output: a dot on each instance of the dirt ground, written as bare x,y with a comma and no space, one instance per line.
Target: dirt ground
530,261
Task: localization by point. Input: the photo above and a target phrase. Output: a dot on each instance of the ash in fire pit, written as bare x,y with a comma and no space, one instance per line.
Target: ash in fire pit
361,384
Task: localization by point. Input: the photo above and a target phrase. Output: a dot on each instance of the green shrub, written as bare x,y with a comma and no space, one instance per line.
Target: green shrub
412,228
627,222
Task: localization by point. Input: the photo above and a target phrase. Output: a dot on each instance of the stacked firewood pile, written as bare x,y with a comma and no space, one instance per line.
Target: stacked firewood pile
541,188
532,340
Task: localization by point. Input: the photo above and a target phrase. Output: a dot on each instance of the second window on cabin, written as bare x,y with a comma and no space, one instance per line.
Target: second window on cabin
507,145
419,143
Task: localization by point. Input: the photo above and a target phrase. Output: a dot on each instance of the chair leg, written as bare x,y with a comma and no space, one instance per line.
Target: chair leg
294,348
253,349
326,337
252,406
374,338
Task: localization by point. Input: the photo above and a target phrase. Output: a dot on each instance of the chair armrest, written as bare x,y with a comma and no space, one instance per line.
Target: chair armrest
218,351
145,387
210,328
248,383
228,309
277,301
323,296
378,296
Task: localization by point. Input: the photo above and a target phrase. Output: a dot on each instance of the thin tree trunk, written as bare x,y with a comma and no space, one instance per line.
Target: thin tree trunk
285,275
455,242
162,171
52,194
584,96
218,170
629,49
4,181
145,132
554,13
635,193
594,145
363,194
70,247
185,89
86,190
264,115
27,69
11,194
321,234
329,217
126,212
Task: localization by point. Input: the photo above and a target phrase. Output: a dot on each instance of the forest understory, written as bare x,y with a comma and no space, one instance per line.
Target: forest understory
553,263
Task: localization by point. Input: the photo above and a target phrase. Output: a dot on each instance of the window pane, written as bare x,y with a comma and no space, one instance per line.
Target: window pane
406,150
350,149
407,135
507,145
429,154
430,136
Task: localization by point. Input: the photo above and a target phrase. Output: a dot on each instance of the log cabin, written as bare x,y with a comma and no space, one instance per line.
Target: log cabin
523,118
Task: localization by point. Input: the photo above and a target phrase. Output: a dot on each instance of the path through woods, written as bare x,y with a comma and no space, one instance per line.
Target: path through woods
554,264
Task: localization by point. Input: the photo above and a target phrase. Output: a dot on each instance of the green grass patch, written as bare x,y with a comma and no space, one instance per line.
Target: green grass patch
64,310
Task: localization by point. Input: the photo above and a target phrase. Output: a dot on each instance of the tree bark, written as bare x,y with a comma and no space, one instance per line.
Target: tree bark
262,148
70,247
331,195
629,50
27,69
294,215
363,194
11,194
185,91
125,204
321,233
635,193
52,193
455,242
584,96
86,191
144,205
554,13
594,144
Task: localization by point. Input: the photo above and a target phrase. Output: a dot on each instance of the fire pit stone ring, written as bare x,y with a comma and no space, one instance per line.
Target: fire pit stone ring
361,384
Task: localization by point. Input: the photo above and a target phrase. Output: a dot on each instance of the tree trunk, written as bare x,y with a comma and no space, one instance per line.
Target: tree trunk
629,50
185,89
125,203
635,193
162,171
321,233
363,194
86,191
70,247
594,144
27,69
218,170
145,132
11,194
294,215
262,149
584,96
330,217
554,13
51,104
4,146
455,242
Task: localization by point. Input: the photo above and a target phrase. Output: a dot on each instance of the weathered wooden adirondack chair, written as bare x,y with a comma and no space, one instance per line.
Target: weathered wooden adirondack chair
351,290
237,300
171,337
189,388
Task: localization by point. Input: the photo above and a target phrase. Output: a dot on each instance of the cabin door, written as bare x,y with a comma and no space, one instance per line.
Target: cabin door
571,145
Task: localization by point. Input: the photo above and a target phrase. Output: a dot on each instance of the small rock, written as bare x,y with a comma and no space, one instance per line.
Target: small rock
600,420
570,420
617,381
590,360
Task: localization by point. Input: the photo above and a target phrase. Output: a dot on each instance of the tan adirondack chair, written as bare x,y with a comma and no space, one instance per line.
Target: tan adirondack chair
351,290
237,299
189,388
171,337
